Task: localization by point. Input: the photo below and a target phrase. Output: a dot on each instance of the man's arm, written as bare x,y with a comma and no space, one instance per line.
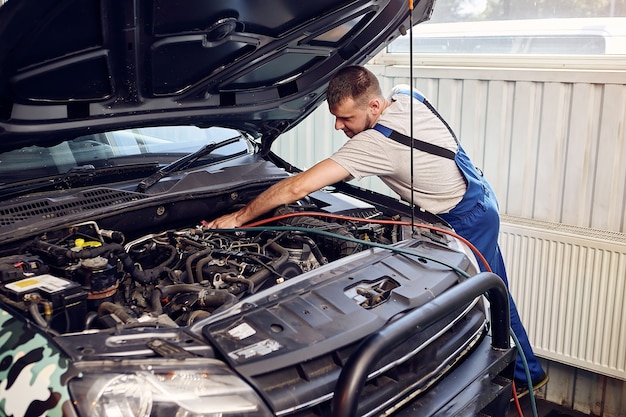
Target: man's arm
286,191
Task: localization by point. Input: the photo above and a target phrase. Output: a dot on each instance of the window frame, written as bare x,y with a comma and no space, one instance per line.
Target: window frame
614,30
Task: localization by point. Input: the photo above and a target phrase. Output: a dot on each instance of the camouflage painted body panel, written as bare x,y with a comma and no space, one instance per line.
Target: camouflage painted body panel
32,367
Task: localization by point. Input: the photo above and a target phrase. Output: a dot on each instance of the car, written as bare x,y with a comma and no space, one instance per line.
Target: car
124,127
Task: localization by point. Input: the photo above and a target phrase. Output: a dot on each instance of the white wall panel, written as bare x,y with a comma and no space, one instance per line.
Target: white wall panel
581,147
552,151
610,182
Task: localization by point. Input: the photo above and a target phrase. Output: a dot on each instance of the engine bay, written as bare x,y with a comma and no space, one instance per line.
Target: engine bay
83,277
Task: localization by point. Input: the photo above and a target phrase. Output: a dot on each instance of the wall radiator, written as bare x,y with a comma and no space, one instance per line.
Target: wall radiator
569,284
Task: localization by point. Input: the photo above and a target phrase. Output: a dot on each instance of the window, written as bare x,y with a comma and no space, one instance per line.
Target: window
507,27
580,36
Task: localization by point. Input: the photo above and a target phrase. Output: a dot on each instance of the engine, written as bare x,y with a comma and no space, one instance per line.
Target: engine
86,278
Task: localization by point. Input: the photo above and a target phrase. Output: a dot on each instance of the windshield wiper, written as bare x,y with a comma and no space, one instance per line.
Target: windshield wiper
183,163
77,176
12,190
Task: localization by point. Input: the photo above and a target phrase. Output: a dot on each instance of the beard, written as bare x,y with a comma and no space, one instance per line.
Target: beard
366,125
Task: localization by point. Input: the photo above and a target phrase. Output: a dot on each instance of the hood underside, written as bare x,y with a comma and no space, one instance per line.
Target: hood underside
82,66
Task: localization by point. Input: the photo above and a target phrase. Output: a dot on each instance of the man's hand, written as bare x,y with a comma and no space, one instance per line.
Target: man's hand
227,221
286,191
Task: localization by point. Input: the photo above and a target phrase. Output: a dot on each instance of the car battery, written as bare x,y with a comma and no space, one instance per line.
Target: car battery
68,299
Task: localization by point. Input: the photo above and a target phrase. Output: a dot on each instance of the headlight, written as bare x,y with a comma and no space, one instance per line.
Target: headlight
193,388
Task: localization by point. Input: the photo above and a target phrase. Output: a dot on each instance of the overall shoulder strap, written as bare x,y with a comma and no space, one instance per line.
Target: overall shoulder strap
416,143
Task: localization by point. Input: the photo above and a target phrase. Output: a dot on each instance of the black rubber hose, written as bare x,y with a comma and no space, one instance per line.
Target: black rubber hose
108,307
144,276
155,301
260,277
206,297
304,239
89,319
33,309
189,263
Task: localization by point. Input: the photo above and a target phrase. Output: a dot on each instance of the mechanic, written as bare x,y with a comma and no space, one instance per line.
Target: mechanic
445,181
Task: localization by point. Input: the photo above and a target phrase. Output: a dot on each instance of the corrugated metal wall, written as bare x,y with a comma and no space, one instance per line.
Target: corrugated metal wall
553,145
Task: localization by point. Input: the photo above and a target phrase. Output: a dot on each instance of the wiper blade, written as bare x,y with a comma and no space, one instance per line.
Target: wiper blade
12,190
183,162
77,176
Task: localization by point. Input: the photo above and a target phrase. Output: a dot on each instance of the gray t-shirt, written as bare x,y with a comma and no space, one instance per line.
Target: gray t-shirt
437,182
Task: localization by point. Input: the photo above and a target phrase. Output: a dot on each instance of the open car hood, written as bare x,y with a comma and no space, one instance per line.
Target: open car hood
73,67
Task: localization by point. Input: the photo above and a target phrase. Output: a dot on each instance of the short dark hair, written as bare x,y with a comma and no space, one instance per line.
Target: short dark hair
355,82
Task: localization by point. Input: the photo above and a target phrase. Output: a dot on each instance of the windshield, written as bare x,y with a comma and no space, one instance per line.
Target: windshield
160,145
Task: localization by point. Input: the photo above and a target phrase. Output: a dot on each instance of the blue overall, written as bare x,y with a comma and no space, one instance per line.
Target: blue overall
477,219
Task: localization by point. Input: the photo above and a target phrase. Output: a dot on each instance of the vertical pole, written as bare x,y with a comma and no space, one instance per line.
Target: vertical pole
411,110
